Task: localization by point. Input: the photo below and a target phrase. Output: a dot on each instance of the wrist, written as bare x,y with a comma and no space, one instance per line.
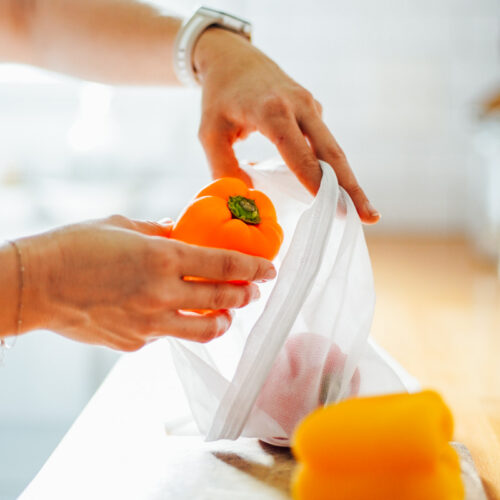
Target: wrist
9,287
34,293
215,44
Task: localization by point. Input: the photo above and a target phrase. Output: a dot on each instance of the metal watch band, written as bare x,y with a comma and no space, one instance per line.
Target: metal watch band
192,29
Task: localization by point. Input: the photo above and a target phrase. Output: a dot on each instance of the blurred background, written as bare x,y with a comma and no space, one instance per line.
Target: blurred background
408,89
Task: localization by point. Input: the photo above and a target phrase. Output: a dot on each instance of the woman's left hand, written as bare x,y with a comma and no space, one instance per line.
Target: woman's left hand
245,91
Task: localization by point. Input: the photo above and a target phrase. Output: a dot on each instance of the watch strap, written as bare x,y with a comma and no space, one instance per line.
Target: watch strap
191,31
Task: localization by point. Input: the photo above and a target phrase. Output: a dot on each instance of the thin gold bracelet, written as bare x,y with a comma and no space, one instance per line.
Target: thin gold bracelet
19,313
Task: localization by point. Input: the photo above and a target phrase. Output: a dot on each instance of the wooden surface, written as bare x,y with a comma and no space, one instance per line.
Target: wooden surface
437,313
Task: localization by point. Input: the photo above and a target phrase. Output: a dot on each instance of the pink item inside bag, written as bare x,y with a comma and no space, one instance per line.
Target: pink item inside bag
306,361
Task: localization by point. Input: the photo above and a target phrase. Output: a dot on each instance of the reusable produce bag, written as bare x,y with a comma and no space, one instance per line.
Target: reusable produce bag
305,342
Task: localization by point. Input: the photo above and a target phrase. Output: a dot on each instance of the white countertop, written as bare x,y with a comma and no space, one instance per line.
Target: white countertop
121,447
135,440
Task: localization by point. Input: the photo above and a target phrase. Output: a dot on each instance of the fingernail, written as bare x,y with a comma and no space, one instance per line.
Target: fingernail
270,274
165,221
255,293
227,315
228,318
372,210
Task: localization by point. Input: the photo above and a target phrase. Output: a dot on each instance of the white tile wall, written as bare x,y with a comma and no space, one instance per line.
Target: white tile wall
399,81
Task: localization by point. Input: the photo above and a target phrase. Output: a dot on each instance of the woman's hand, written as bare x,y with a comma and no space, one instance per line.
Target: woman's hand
244,91
119,283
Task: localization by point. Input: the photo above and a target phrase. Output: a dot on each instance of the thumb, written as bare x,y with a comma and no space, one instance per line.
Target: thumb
218,146
150,228
168,224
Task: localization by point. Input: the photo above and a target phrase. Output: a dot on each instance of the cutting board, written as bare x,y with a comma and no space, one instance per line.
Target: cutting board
249,469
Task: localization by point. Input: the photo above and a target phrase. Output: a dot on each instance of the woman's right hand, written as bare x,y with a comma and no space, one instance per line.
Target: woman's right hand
119,283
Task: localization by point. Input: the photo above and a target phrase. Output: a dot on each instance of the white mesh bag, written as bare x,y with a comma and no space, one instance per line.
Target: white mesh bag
305,343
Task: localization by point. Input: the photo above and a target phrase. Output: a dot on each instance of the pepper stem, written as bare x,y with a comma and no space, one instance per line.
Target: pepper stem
244,209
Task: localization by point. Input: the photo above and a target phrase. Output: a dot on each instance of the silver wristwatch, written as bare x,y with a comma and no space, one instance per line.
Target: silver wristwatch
192,29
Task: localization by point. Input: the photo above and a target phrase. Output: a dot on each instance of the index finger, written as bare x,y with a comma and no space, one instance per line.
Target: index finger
284,132
288,136
223,265
326,148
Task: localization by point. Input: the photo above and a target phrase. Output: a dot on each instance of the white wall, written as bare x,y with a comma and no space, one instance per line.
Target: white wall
398,81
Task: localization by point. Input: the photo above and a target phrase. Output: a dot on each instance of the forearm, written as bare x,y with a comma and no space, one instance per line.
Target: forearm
112,41
9,290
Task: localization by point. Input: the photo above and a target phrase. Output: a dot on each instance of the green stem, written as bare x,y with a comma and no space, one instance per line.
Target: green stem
244,209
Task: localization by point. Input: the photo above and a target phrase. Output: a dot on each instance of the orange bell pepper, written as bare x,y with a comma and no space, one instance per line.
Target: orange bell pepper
380,448
227,214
